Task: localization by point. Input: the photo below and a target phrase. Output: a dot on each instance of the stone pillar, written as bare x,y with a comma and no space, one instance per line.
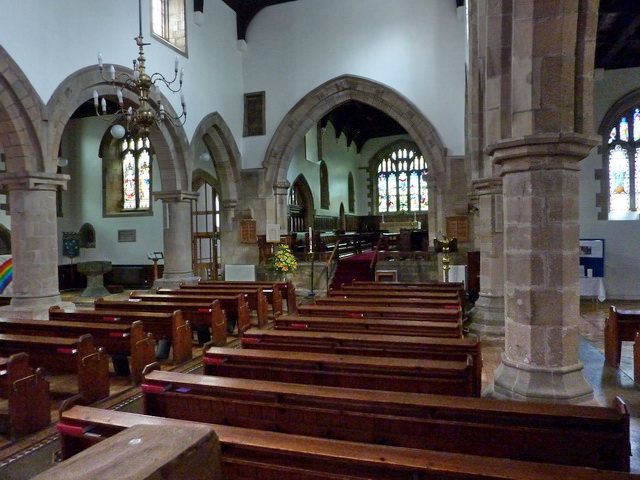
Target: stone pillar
488,312
281,192
178,258
540,184
34,242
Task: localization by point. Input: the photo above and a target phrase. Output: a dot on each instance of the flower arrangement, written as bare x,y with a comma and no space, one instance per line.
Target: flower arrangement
283,260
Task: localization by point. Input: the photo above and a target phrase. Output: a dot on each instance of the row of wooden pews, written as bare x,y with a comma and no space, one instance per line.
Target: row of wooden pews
295,402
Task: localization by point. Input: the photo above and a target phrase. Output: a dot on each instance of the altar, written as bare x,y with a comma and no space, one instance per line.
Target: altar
394,226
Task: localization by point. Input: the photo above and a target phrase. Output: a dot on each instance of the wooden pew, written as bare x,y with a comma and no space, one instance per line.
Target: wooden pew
235,306
26,391
427,286
566,434
287,289
368,325
199,314
57,355
453,314
448,377
258,455
622,325
368,292
127,340
384,301
255,297
455,349
272,293
169,325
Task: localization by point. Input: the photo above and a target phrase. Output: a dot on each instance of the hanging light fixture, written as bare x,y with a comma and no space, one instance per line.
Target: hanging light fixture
139,121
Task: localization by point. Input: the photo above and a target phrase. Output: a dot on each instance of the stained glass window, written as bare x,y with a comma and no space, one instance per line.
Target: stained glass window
401,182
623,158
624,130
136,174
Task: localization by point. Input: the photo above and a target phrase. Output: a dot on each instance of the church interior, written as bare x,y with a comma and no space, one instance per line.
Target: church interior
362,239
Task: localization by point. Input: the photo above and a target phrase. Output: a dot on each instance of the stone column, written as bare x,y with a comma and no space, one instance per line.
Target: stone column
488,312
281,192
178,258
540,184
34,242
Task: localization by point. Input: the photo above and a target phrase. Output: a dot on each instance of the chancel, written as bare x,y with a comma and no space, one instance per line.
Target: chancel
426,208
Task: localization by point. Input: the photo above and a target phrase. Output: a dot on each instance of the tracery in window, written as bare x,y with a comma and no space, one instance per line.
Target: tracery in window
402,181
136,173
168,22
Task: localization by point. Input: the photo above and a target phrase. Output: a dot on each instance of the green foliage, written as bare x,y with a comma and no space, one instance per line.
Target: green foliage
282,260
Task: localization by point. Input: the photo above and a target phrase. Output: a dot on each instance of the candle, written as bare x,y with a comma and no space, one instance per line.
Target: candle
112,72
310,240
95,98
120,100
100,60
104,106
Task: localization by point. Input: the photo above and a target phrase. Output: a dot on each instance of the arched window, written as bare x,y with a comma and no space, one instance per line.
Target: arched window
136,173
401,180
127,176
324,186
622,160
351,193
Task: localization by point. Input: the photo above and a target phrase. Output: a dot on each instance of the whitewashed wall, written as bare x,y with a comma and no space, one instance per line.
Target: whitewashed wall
415,47
622,258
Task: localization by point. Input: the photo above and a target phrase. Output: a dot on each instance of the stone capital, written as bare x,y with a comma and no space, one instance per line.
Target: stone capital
175,196
487,186
281,187
228,204
542,151
25,180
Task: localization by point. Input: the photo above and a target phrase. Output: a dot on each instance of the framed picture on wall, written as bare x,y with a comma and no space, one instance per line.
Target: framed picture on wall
273,232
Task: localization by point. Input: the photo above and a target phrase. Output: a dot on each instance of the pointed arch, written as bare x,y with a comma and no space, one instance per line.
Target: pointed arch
313,106
300,204
169,141
21,118
217,136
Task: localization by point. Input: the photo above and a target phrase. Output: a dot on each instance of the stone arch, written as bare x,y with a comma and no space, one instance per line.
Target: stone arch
217,137
313,106
5,240
169,141
21,118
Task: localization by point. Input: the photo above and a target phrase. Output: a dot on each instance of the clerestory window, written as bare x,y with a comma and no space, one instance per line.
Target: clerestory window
168,23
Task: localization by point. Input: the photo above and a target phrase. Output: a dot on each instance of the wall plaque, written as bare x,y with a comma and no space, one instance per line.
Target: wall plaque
458,227
248,233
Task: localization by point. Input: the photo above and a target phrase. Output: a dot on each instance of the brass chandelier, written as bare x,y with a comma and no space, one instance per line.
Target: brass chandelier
139,120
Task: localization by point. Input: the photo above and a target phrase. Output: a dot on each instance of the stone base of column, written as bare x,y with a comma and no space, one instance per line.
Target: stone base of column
487,319
513,381
33,308
175,281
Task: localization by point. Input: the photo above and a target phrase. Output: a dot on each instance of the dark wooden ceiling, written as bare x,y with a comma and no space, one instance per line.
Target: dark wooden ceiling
618,40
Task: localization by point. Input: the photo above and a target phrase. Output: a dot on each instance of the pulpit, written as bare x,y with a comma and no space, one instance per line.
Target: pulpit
94,271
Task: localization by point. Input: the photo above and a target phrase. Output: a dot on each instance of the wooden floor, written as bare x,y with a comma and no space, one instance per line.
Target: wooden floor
26,458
